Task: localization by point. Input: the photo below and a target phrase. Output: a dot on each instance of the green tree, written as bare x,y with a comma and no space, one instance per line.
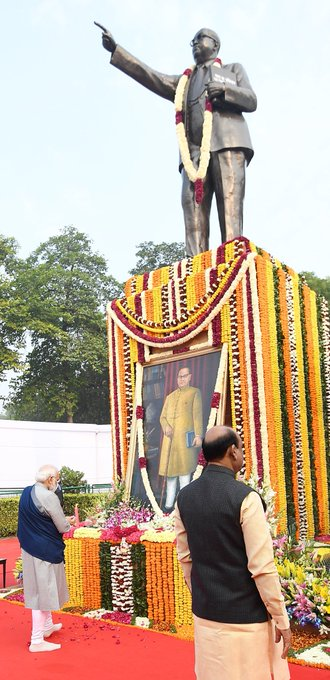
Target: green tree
11,307
66,286
321,286
155,255
70,477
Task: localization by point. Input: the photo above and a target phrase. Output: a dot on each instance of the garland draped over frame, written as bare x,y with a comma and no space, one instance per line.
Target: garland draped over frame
278,335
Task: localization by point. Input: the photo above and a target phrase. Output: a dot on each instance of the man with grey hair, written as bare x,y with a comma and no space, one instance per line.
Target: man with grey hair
41,523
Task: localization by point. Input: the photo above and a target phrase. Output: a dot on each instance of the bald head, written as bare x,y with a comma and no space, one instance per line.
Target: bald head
217,441
205,45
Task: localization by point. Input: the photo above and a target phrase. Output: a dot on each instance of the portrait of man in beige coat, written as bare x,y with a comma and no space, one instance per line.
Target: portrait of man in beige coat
181,421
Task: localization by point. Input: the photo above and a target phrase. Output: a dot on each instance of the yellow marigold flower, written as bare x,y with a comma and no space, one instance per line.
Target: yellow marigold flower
87,532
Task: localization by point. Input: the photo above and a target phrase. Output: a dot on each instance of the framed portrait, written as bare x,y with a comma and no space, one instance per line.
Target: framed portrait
176,399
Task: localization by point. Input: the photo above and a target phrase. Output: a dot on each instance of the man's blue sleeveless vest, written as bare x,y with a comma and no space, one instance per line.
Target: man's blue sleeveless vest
37,533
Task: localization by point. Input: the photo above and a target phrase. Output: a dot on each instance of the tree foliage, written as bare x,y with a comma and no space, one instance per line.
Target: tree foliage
321,286
155,255
11,307
66,286
70,477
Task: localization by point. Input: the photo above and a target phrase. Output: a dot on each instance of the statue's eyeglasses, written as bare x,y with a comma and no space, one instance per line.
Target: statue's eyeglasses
199,38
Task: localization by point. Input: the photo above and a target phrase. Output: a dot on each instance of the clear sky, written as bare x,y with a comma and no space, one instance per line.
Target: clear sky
83,144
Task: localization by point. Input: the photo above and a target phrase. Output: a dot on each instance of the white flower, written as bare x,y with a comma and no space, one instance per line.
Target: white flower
142,621
95,613
315,654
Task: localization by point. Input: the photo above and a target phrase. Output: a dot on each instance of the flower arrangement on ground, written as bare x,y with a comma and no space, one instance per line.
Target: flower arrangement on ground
305,583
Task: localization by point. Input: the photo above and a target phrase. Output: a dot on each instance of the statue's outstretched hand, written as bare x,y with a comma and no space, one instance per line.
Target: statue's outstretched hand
108,40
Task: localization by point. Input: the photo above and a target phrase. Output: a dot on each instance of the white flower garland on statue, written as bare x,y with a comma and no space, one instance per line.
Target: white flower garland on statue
196,175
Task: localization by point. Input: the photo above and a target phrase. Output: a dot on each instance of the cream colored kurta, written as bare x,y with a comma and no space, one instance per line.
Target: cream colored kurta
182,411
226,651
45,586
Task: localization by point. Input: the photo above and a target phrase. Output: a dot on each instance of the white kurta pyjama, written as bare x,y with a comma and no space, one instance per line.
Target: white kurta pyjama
45,586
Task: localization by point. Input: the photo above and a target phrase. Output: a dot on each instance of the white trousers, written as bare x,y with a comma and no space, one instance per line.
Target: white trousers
41,622
171,485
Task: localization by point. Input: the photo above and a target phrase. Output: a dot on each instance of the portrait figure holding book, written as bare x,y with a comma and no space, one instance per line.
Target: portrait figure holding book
182,424
176,398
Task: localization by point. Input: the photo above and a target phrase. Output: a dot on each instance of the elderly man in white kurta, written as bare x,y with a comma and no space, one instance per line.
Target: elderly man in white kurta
181,420
41,523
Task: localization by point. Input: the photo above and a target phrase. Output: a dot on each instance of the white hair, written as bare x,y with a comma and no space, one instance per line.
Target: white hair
46,471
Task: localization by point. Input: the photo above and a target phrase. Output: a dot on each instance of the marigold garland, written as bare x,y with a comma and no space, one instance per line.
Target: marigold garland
91,573
234,366
247,347
159,582
193,322
242,363
276,458
74,572
317,422
183,612
268,353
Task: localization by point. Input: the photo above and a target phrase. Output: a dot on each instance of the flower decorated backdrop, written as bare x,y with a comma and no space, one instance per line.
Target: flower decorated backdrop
278,335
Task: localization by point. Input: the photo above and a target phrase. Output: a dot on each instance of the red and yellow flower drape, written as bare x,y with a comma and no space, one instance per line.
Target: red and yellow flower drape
278,335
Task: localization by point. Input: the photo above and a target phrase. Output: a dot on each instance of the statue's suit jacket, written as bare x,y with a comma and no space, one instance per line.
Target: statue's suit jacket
229,129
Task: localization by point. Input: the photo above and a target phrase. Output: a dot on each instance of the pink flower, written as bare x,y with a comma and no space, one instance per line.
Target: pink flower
120,617
139,412
178,117
199,190
134,537
125,531
215,401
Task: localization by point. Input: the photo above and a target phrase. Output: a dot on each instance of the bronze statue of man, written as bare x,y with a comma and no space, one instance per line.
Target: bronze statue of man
225,91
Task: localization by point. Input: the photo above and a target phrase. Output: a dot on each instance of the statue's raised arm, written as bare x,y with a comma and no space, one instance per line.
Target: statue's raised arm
214,140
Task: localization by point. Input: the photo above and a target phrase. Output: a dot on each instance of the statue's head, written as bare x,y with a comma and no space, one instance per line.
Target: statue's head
205,45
